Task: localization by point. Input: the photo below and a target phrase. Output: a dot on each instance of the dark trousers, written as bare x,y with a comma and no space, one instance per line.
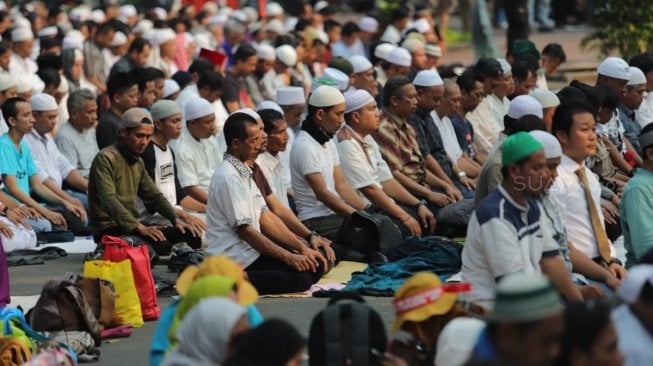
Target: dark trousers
517,16
272,276
327,226
172,234
74,223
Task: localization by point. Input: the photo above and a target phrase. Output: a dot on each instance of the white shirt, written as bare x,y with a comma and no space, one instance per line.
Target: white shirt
634,340
109,59
391,35
49,161
568,194
483,135
164,173
196,160
191,92
79,149
234,200
307,157
272,169
644,114
449,139
25,66
285,157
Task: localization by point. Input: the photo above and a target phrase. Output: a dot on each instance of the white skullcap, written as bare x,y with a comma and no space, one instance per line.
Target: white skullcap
98,16
320,5
614,67
240,16
164,108
368,24
78,55
7,81
143,26
210,8
322,36
550,144
422,25
161,36
226,11
360,63
43,102
383,50
268,104
128,11
413,44
273,9
357,99
23,84
432,49
119,39
197,108
73,40
266,52
523,105
81,13
218,19
400,56
161,13
337,75
21,22
291,95
252,14
170,87
631,287
326,96
63,86
505,66
427,78
276,26
50,31
287,55
250,112
202,40
546,97
637,76
21,34
457,341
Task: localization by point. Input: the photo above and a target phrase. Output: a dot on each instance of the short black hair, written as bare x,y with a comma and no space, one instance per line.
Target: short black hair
402,12
210,78
467,80
393,87
10,109
119,83
50,76
270,118
244,52
144,75
488,68
49,60
329,24
284,39
349,29
4,47
520,71
312,110
611,99
200,65
555,50
563,117
235,127
648,128
584,323
138,45
527,123
105,28
644,61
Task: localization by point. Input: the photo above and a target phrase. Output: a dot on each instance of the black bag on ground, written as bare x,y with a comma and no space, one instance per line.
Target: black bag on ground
368,232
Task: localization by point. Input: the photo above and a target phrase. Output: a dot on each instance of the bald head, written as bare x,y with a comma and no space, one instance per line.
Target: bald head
450,87
451,101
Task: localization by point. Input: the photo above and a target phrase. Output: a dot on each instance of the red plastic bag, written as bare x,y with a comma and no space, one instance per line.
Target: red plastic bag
115,250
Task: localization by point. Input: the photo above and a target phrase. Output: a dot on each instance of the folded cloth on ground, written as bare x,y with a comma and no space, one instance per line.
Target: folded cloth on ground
23,257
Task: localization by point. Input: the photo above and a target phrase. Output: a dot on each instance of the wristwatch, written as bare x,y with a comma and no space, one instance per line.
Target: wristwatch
421,202
462,174
310,236
615,260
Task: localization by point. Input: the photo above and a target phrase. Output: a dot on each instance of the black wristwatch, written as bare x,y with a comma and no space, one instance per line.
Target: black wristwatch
421,202
615,260
310,236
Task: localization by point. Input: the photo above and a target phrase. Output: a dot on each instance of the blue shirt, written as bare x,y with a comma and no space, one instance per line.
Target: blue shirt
636,213
16,163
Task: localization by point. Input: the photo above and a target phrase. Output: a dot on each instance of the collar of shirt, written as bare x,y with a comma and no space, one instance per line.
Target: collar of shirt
569,165
130,157
623,109
242,169
422,113
43,139
508,197
357,137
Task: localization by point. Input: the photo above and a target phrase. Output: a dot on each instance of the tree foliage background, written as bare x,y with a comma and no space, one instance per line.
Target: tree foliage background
624,26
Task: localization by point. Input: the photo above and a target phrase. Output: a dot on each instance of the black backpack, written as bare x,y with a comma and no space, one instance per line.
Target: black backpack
346,332
368,232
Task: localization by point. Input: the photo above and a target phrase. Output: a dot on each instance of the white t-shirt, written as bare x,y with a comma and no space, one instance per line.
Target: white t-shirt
196,160
285,157
234,200
449,139
307,157
164,173
272,169
644,114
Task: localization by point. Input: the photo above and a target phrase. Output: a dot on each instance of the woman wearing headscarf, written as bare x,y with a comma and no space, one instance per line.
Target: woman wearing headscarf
206,333
72,61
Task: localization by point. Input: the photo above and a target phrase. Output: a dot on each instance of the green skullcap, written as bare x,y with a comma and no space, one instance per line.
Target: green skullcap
517,147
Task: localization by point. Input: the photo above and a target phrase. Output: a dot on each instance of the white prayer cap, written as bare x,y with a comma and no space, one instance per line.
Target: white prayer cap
23,84
326,96
197,108
291,95
614,67
360,63
250,112
161,13
550,144
21,34
7,81
546,97
320,5
252,14
505,66
428,78
276,26
210,8
240,16
255,27
202,40
287,55
128,10
637,76
226,11
164,108
143,26
21,22
368,24
523,105
337,75
433,49
43,102
50,31
218,19
73,40
119,39
422,25
170,87
268,104
81,13
400,56
383,50
273,9
631,287
161,36
266,52
457,341
98,16
413,44
357,99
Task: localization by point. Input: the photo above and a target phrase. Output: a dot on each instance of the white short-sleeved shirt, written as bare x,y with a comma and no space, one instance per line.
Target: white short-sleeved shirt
504,237
483,133
449,139
272,169
569,196
644,114
79,148
307,157
164,173
49,162
196,160
285,157
234,200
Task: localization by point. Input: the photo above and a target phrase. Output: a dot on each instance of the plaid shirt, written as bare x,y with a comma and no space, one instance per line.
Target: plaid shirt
399,147
429,138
